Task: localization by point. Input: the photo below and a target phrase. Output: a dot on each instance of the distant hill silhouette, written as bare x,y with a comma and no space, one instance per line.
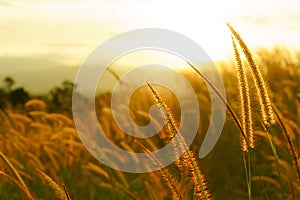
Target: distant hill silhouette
38,74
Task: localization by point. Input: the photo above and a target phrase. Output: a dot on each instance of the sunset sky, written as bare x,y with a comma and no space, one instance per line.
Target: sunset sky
66,31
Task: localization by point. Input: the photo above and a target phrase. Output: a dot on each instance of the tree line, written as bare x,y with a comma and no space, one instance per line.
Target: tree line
58,99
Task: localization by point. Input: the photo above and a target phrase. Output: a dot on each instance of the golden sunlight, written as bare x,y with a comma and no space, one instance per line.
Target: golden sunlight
73,29
72,127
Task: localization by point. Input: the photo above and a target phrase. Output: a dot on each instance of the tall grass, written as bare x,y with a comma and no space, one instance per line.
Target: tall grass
42,156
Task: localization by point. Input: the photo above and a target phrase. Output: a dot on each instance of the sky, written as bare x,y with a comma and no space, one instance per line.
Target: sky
65,32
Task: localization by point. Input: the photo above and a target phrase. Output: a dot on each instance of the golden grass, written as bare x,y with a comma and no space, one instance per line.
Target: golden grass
268,110
265,102
293,151
35,104
32,138
188,157
60,192
170,180
244,99
16,177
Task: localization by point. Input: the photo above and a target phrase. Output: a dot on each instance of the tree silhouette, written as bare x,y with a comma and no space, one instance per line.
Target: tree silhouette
3,98
18,96
61,98
9,82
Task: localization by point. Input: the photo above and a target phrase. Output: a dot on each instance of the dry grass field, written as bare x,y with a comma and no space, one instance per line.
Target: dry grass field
256,157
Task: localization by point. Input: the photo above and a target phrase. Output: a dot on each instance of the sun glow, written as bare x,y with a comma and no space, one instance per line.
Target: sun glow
74,29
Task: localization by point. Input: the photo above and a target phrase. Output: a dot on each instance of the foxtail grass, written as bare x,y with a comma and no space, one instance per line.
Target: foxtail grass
225,102
244,99
264,100
66,192
188,157
170,181
178,147
60,192
293,151
16,177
